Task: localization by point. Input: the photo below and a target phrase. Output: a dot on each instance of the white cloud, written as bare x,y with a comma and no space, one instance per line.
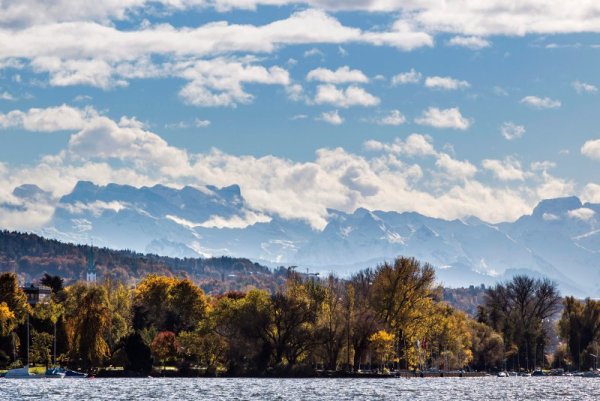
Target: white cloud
96,208
508,169
124,152
591,193
83,52
394,117
219,82
61,118
541,103
351,96
457,169
584,87
470,42
414,145
295,92
550,217
445,83
199,123
6,96
591,149
443,118
510,130
410,77
582,213
313,52
331,117
248,218
340,76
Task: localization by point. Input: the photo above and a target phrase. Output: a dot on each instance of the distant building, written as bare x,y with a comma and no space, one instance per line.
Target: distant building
90,275
36,293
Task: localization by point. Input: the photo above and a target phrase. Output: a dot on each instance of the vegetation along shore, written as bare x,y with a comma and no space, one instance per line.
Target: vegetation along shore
388,319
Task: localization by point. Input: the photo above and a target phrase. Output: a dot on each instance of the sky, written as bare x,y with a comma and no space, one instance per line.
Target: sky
448,108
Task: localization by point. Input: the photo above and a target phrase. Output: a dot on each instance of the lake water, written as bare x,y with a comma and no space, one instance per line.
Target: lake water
488,388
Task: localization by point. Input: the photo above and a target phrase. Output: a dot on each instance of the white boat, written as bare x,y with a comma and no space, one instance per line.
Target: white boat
55,373
21,373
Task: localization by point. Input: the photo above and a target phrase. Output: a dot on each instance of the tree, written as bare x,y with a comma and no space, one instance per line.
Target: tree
399,291
382,345
56,283
7,320
139,355
362,320
165,346
40,350
121,315
487,346
579,326
13,296
187,305
520,309
87,318
330,330
169,304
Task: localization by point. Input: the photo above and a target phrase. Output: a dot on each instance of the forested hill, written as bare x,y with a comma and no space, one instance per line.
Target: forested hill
31,256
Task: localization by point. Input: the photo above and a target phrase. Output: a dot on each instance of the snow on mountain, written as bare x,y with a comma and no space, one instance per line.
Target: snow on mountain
559,240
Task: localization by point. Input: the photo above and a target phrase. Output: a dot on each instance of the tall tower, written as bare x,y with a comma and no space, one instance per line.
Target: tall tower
90,275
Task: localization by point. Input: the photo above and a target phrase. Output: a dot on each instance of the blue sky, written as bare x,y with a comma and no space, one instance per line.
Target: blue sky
447,109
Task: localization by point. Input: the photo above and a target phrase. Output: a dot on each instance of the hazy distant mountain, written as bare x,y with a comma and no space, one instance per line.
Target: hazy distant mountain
560,239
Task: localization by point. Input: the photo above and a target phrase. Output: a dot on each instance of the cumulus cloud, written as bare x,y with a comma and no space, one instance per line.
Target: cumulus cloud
510,130
445,83
541,102
508,169
584,87
340,76
591,149
470,42
331,117
444,118
591,193
394,117
582,213
351,96
387,178
410,77
414,145
60,118
456,169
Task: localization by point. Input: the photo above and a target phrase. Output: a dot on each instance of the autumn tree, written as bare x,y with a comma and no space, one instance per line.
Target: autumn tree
87,317
399,290
579,327
361,318
487,347
166,303
165,346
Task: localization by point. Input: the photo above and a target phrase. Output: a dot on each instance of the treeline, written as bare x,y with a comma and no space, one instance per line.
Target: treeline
390,317
31,256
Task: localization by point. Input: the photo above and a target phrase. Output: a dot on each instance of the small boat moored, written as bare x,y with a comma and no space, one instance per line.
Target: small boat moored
21,373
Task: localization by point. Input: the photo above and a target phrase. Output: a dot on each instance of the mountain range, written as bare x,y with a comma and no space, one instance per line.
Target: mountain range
560,239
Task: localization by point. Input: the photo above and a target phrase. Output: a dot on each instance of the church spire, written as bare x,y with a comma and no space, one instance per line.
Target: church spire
90,276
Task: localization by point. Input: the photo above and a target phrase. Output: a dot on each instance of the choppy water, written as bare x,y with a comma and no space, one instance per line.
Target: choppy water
489,388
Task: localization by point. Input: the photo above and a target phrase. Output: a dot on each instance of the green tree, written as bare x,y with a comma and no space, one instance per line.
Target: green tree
520,309
40,349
